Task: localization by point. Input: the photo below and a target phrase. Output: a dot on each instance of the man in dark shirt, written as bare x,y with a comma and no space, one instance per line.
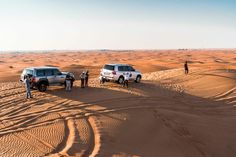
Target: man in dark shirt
186,67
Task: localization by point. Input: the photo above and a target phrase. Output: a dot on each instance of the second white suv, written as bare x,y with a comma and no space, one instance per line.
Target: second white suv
115,72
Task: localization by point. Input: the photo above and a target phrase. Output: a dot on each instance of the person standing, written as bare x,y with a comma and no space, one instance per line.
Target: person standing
68,83
27,87
186,67
82,78
86,78
72,80
126,79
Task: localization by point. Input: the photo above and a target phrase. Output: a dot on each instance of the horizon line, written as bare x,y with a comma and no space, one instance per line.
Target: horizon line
43,50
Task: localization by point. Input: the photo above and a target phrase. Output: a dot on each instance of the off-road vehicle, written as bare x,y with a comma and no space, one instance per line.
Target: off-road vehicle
42,77
115,72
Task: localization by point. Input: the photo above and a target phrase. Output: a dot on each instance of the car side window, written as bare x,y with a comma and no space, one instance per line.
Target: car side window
126,68
121,68
48,72
56,72
40,72
130,68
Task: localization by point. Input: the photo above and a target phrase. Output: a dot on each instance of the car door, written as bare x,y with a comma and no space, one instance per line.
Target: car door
127,70
50,76
58,76
40,73
121,70
133,73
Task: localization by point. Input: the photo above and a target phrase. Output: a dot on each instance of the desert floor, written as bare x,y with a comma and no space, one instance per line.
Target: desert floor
168,114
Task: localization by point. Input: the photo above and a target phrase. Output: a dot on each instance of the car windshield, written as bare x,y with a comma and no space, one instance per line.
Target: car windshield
109,67
28,71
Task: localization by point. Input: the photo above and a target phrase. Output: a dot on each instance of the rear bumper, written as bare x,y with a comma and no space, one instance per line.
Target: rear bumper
108,78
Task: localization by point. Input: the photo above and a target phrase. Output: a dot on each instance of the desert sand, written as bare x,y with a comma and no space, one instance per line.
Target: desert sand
168,114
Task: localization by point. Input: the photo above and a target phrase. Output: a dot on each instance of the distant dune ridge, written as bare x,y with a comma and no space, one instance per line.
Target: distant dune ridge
167,114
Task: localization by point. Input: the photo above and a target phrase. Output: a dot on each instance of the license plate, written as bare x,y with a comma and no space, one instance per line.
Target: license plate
106,73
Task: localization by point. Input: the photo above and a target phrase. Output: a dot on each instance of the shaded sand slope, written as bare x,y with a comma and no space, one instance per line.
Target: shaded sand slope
168,114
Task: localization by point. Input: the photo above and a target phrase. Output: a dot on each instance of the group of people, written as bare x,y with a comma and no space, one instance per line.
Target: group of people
84,77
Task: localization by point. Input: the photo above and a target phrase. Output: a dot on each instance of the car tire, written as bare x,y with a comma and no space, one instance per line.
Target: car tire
138,79
121,80
42,87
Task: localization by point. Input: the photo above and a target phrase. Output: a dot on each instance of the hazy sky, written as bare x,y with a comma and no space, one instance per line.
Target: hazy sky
117,24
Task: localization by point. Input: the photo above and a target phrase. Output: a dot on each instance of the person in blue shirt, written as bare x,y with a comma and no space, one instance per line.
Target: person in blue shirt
27,87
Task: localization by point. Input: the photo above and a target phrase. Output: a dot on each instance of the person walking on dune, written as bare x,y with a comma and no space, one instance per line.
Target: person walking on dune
86,78
27,87
126,79
82,78
186,67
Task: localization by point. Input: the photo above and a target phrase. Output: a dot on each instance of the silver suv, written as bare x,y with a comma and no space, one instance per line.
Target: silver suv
115,72
42,77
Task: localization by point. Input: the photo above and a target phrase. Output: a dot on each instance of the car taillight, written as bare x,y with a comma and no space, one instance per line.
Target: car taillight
33,79
114,72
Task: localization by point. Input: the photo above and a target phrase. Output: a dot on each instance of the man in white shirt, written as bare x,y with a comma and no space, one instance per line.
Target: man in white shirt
126,79
68,83
82,78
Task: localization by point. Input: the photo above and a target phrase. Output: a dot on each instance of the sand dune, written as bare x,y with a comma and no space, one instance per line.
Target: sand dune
168,114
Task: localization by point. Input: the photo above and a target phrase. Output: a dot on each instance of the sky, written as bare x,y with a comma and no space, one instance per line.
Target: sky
116,24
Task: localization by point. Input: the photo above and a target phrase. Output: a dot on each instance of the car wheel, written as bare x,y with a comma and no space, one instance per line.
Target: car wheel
138,79
121,80
42,87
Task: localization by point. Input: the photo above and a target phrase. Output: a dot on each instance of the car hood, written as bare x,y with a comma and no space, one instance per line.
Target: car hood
66,73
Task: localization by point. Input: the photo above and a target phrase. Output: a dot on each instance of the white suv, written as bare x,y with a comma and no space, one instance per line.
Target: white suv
115,72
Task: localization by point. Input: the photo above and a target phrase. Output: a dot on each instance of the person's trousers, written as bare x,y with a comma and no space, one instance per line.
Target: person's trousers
186,71
28,93
126,83
82,83
86,82
68,86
